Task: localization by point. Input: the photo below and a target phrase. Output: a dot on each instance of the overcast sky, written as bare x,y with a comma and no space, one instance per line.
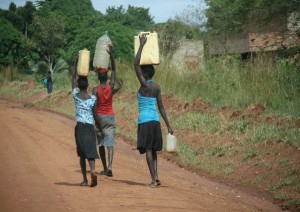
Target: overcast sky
161,10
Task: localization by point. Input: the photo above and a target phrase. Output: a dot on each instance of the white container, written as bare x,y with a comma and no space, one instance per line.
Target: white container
83,64
171,143
150,53
101,57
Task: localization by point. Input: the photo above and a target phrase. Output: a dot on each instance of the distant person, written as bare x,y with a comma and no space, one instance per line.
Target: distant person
49,82
149,135
45,83
84,131
104,93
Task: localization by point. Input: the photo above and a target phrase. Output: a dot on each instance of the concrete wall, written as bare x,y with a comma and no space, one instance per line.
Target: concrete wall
188,56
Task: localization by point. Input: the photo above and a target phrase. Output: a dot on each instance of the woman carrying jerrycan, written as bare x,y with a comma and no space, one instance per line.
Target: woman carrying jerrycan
84,131
104,93
149,135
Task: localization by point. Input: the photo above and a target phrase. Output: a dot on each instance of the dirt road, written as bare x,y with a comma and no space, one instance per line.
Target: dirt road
40,172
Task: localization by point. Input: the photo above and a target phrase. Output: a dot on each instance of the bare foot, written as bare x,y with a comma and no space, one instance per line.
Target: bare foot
158,182
94,179
153,185
84,183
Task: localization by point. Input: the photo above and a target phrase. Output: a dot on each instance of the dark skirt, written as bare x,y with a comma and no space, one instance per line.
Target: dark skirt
149,137
86,140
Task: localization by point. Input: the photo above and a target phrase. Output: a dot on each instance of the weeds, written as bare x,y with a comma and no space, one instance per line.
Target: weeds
269,133
199,122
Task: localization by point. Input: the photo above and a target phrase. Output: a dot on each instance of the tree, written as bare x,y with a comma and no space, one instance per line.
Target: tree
229,17
26,13
115,14
49,36
14,48
121,36
10,39
139,17
12,7
134,17
14,17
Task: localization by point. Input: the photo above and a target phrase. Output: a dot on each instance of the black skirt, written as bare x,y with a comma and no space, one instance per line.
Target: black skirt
86,141
149,137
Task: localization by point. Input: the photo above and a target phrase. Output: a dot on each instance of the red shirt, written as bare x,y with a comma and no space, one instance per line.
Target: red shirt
104,95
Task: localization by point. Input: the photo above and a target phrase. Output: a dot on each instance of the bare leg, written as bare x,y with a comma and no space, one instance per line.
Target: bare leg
151,166
83,171
154,155
110,150
93,173
110,156
92,164
103,157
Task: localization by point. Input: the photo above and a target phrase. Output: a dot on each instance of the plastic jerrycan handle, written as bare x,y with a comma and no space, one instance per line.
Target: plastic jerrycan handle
144,33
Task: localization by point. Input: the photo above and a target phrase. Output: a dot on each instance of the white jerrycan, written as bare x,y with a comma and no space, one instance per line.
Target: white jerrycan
171,143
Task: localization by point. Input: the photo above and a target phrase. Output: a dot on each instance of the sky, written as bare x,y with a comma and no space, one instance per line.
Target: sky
161,10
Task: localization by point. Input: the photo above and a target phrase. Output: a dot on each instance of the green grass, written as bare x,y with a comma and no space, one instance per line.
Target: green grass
199,122
269,133
289,181
228,81
292,201
241,125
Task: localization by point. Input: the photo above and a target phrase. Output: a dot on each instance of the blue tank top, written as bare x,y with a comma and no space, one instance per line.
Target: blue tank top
147,109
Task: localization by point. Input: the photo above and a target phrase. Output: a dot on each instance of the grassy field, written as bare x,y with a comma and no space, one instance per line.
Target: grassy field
235,121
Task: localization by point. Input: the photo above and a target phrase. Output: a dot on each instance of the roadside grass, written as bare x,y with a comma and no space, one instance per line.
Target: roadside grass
199,122
9,74
228,81
268,133
10,89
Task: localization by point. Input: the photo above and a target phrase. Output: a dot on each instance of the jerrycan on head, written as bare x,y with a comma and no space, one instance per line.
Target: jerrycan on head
150,53
101,57
83,64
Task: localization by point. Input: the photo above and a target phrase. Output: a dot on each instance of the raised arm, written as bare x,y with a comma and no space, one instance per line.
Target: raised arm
137,60
113,68
163,112
74,73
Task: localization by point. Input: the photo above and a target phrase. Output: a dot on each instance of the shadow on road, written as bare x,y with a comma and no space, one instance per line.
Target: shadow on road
129,182
67,184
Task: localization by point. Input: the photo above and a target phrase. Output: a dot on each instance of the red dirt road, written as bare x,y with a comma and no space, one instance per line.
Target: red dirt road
40,172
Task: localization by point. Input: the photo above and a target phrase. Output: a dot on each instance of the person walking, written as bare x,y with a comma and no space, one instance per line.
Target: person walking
149,135
104,93
49,82
84,131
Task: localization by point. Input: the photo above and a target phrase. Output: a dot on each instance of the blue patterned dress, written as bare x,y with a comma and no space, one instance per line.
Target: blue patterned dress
84,130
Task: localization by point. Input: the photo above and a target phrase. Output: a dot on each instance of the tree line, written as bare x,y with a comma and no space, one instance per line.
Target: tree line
55,30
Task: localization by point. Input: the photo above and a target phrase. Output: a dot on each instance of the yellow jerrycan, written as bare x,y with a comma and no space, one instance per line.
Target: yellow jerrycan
150,53
101,57
83,64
